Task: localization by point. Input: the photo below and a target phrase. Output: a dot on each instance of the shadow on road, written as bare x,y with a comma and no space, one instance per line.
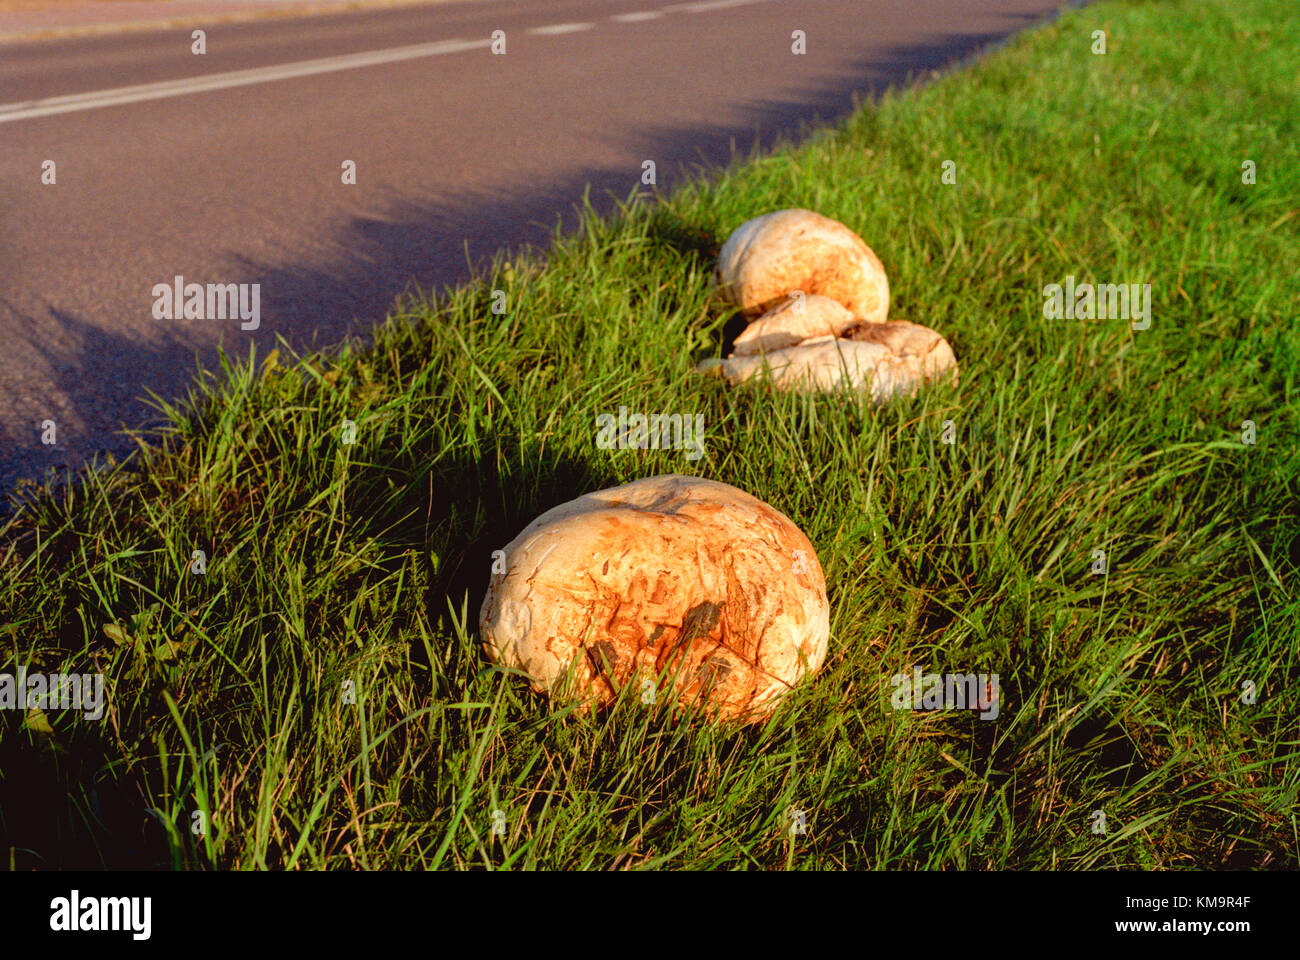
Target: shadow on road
425,244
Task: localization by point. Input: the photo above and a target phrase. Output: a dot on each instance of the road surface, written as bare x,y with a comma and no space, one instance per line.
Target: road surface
226,167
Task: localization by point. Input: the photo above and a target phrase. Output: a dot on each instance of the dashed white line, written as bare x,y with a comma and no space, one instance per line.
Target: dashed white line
49,106
557,28
706,5
233,78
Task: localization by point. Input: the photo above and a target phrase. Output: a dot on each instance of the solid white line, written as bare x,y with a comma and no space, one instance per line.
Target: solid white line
232,78
636,17
558,28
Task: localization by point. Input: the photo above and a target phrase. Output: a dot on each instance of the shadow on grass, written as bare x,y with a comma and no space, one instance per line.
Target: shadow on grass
63,805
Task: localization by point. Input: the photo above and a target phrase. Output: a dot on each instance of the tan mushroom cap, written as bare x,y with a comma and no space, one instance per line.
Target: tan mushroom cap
794,321
768,258
888,360
689,584
925,351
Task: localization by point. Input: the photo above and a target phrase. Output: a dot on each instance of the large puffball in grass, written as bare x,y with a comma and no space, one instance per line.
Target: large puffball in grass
887,360
689,588
794,321
767,259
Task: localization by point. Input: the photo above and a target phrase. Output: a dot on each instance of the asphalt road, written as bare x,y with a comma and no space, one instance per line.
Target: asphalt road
459,152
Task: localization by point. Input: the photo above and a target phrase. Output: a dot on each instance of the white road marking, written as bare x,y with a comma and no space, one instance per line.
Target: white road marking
29,109
557,28
711,5
233,78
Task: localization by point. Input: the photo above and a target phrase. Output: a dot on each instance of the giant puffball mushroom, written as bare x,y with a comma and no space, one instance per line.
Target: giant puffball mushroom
793,321
768,258
892,363
691,585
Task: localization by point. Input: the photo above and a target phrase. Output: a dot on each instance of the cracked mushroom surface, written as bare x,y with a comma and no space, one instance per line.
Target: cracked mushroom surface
885,359
692,585
767,258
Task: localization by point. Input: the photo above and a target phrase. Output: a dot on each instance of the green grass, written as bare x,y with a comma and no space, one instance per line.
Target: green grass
331,563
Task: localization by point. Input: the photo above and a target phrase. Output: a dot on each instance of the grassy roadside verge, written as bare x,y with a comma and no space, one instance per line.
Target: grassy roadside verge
317,696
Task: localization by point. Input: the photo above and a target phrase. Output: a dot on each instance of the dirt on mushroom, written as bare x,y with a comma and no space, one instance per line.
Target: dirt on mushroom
705,593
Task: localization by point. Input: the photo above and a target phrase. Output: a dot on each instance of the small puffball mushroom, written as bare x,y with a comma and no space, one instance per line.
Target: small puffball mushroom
862,364
768,258
688,587
794,321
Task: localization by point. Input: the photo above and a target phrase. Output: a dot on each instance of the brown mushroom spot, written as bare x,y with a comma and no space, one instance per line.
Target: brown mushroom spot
603,656
713,671
654,637
700,621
